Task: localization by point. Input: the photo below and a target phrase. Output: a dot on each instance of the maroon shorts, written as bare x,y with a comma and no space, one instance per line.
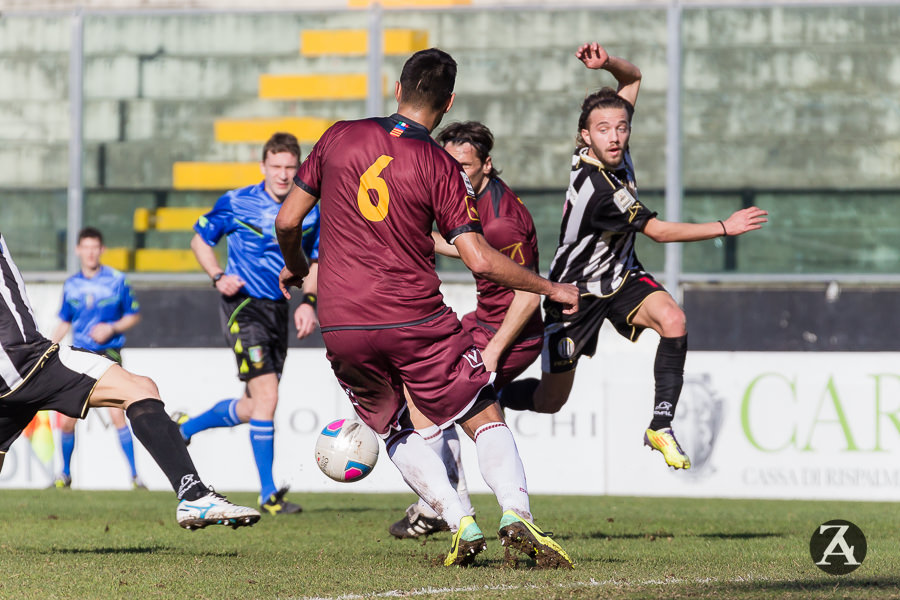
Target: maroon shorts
517,357
436,360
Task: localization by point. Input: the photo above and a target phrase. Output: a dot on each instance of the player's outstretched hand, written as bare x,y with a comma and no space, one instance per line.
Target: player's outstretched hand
229,285
305,320
593,55
286,279
745,220
567,295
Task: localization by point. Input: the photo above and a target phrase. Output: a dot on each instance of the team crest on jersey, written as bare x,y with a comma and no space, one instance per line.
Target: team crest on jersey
471,209
515,252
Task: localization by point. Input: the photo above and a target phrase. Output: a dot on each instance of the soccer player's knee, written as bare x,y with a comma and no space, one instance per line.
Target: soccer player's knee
674,322
143,387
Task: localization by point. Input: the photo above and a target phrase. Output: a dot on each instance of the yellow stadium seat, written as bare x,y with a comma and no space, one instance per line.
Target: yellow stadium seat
315,87
214,176
178,218
355,42
141,219
165,260
117,258
307,129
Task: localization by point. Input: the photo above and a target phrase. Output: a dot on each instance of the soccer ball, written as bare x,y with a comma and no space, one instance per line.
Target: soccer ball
346,450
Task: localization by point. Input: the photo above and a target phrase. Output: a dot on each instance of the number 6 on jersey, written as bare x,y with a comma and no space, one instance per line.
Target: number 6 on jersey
371,180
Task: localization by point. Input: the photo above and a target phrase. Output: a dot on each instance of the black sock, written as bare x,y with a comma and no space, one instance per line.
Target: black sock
162,439
668,369
519,394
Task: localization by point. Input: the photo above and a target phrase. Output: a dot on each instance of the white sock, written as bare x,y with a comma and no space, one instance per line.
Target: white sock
424,472
434,439
451,443
501,467
446,445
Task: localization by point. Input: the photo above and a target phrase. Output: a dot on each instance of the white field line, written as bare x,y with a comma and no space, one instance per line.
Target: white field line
591,583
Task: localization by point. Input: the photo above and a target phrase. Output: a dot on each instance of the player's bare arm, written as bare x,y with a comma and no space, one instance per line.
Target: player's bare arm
62,328
442,247
305,318
595,56
102,332
228,285
517,316
740,222
484,261
289,230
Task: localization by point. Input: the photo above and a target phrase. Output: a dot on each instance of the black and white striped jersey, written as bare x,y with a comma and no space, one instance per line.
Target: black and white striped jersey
601,219
21,344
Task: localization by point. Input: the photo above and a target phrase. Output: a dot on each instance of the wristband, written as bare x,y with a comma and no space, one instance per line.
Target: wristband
310,299
217,277
724,231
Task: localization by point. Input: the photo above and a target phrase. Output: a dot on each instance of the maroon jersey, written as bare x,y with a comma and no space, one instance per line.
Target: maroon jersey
508,227
382,183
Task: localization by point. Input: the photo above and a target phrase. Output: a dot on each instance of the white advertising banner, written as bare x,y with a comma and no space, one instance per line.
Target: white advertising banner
757,425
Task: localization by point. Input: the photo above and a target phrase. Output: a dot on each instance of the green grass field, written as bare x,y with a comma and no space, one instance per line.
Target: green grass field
75,544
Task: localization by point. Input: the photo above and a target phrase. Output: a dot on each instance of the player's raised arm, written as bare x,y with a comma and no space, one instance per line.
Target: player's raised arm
289,230
595,56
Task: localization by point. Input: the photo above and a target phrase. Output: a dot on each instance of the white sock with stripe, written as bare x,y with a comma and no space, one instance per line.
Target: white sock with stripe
424,472
501,467
446,445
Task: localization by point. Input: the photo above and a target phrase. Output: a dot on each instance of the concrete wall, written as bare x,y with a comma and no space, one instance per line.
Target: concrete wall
767,90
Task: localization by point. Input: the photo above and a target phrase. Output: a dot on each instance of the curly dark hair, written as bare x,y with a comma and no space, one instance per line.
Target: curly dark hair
471,132
603,98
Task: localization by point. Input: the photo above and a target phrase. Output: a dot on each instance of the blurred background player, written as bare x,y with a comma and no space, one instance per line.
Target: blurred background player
254,312
506,324
40,375
601,219
99,307
383,183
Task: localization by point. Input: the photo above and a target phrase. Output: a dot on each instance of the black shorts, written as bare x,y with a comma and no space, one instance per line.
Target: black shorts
256,329
567,337
62,381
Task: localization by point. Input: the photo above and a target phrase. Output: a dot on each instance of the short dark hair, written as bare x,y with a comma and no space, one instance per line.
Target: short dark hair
603,98
470,132
427,79
90,233
281,142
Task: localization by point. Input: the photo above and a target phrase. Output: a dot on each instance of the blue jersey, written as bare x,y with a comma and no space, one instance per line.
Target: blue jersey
247,217
104,298
310,241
